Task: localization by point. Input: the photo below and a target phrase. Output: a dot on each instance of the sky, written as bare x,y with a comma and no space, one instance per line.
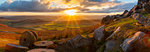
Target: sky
2,1
128,0
86,6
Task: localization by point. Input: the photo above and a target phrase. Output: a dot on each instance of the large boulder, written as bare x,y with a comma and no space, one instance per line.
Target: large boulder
133,44
74,45
76,42
112,46
142,19
99,33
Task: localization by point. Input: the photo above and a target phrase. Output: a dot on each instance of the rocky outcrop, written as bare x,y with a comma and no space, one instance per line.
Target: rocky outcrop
126,14
143,6
142,19
133,44
98,33
133,10
109,19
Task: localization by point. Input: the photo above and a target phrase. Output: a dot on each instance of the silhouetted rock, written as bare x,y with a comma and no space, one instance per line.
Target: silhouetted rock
133,44
126,13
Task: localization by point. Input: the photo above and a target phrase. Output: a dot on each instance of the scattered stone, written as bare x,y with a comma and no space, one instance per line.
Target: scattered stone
27,39
142,19
98,33
43,44
42,50
15,48
134,43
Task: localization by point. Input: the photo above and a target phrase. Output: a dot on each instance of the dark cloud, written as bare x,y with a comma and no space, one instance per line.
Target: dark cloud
27,6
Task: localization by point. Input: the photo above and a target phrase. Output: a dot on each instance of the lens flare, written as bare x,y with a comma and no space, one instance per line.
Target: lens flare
70,12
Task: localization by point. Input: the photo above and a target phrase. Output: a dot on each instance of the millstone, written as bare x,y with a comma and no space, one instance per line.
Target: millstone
43,44
28,38
15,48
35,34
41,50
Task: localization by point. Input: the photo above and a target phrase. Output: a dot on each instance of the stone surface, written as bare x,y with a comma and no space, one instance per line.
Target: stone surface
113,34
74,45
134,43
76,42
15,48
43,44
99,33
133,10
142,19
112,46
42,50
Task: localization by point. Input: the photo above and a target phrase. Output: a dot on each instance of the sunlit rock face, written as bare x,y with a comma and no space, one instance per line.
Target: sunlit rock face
134,44
27,6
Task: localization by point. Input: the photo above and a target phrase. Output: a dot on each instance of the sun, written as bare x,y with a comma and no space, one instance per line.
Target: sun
71,12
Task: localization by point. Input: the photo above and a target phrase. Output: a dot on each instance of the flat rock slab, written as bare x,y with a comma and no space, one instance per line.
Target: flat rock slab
43,43
15,48
42,50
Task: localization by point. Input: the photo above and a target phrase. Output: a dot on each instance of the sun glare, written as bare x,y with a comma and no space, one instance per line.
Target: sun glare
70,12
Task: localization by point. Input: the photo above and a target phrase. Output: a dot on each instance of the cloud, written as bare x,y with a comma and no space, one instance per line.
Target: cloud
118,8
60,5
